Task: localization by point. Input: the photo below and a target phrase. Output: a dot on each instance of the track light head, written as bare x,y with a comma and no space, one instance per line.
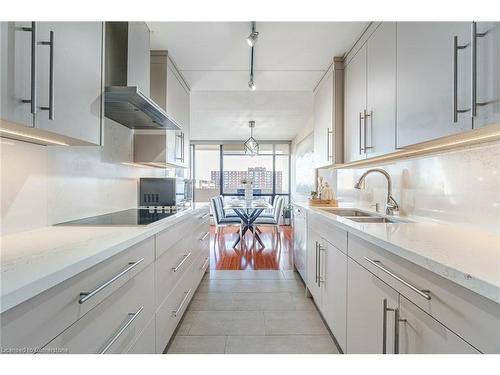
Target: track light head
252,38
251,85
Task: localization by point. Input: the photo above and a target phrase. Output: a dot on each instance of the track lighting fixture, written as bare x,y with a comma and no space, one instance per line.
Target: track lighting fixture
252,39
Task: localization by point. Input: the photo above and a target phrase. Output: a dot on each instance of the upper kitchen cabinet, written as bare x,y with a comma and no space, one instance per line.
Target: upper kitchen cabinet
52,74
380,118
171,92
371,95
355,107
487,76
328,117
433,80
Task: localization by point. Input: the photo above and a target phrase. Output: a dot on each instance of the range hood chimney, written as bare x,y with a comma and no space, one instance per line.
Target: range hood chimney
127,78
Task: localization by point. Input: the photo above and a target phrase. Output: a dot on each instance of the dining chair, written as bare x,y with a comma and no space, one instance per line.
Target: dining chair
272,221
220,220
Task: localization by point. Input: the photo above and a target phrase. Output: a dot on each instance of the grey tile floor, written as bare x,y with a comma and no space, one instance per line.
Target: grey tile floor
252,312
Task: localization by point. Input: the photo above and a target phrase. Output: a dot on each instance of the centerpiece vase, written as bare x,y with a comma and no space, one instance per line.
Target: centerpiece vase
248,192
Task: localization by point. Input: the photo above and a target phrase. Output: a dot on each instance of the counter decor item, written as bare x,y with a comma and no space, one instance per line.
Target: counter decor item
324,196
248,189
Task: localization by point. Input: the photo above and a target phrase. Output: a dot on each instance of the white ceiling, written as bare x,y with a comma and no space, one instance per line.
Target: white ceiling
290,59
288,55
224,115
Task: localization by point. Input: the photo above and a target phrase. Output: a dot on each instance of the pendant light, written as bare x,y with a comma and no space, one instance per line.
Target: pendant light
251,145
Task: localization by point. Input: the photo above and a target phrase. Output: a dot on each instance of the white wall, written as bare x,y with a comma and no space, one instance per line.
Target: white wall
460,186
41,185
305,131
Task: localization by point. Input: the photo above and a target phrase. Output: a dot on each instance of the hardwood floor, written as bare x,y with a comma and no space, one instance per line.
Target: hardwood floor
276,255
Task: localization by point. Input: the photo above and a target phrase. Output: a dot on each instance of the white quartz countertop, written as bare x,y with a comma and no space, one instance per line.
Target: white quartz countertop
34,261
466,256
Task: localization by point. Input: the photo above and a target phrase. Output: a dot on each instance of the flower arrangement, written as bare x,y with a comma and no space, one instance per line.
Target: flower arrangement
245,181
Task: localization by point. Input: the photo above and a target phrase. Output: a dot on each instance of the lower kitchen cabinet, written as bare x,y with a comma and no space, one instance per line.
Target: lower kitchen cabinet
371,306
115,306
334,281
420,333
326,281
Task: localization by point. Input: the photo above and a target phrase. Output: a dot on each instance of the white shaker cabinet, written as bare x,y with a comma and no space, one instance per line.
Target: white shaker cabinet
371,306
380,118
487,74
433,80
420,333
355,105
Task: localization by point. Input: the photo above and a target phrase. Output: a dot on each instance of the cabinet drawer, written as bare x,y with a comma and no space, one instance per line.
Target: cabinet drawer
172,309
336,236
171,266
166,239
469,315
37,321
145,344
112,326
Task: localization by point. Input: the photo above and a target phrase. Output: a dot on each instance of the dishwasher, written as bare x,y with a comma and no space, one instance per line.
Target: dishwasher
299,225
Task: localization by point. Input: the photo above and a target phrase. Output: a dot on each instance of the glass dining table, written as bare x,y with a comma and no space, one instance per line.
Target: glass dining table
248,212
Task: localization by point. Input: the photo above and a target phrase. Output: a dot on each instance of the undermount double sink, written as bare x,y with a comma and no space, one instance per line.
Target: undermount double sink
361,216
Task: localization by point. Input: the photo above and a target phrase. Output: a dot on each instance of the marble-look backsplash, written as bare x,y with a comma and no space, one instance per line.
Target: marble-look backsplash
42,186
460,186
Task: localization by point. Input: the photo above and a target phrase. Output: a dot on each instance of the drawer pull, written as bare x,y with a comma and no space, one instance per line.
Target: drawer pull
176,312
420,292
204,216
204,264
175,269
131,318
85,296
204,236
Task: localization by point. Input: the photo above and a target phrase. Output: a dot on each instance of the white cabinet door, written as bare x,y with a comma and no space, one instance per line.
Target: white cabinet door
488,74
299,240
323,121
77,79
313,284
420,333
425,80
15,75
366,298
355,104
381,90
334,297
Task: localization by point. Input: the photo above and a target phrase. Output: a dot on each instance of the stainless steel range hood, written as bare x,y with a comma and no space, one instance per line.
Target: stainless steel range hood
130,107
126,95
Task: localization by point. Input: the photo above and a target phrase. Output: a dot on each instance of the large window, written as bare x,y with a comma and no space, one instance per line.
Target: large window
222,168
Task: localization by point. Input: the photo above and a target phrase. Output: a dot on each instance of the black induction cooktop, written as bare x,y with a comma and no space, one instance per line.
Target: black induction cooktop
131,217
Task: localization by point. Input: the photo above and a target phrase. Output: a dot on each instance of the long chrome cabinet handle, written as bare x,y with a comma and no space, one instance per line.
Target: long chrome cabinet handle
204,263
50,43
365,116
85,296
32,99
204,236
384,326
473,40
176,312
131,318
421,292
456,48
328,132
316,259
175,269
360,126
320,279
201,217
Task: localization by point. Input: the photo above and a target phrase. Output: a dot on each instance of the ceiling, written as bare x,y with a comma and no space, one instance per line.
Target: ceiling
290,59
289,56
